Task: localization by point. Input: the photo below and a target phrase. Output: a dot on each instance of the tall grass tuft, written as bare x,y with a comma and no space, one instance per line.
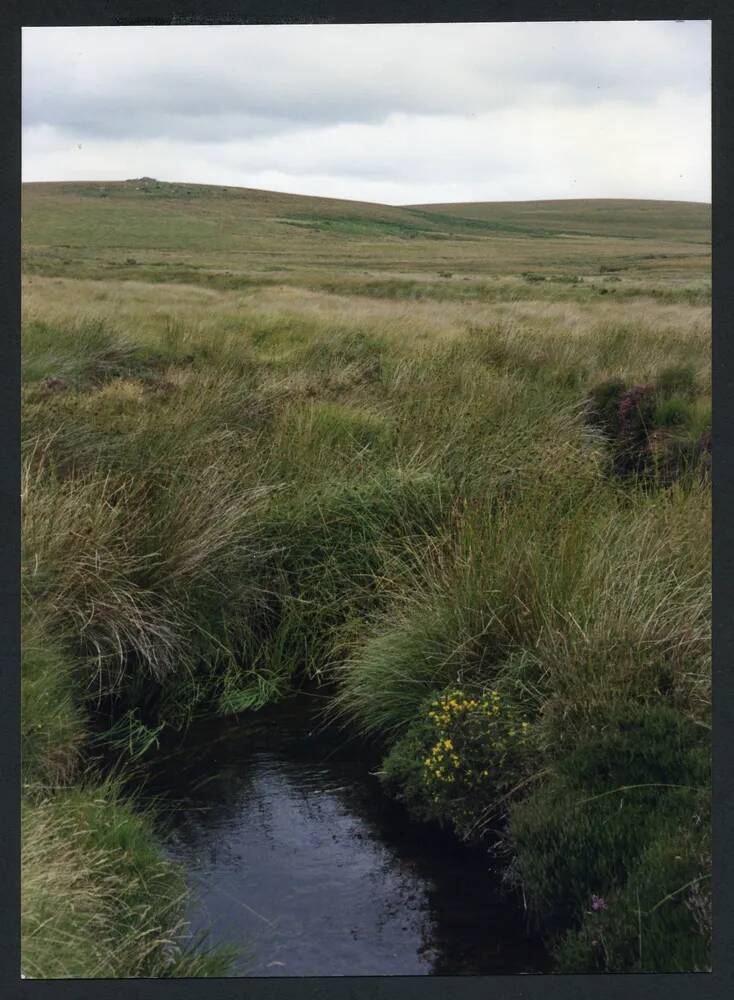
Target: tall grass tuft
137,573
594,588
97,899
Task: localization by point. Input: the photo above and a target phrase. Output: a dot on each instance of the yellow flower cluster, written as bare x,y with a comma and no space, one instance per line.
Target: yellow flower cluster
452,705
467,730
441,759
522,731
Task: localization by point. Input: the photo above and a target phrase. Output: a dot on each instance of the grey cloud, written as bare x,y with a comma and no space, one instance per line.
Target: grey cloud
238,83
425,110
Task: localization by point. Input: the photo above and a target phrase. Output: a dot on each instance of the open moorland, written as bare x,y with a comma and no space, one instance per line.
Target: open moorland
447,464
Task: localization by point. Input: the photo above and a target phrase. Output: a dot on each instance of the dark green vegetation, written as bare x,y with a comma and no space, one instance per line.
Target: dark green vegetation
679,220
453,470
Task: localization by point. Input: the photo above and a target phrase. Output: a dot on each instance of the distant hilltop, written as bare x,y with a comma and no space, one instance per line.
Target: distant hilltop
271,212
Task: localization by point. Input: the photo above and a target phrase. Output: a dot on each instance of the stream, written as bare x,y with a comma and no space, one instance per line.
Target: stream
295,855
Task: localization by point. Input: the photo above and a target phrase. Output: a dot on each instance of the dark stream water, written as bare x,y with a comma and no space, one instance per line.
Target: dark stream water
294,854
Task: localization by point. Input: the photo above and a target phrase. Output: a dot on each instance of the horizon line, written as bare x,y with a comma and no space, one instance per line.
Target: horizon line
364,201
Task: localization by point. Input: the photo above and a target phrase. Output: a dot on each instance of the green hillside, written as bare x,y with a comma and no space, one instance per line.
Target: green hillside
688,221
231,237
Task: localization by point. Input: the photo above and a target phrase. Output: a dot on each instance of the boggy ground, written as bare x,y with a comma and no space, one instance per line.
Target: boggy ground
452,468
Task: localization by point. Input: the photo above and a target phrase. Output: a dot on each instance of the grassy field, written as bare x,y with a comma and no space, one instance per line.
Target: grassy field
448,462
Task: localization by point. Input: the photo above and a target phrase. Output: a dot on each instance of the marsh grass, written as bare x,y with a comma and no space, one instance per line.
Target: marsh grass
592,587
384,462
52,724
97,900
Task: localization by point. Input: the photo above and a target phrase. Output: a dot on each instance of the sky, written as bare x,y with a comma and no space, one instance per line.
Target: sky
393,113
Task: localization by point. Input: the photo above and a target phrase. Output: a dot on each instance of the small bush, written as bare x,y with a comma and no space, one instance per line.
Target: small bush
461,756
660,920
654,430
628,417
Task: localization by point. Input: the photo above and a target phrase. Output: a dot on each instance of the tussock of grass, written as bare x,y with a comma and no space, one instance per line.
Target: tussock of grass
131,572
594,589
329,435
342,543
78,351
52,728
97,899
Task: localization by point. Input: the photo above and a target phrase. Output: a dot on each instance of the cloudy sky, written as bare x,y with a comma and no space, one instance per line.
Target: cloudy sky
392,113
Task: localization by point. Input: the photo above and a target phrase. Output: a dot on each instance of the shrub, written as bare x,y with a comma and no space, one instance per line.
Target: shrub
460,757
660,920
653,429
636,421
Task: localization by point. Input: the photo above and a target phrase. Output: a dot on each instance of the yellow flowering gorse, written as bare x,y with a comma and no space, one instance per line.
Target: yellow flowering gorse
471,732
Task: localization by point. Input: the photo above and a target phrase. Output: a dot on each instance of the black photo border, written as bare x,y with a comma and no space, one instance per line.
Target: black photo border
14,14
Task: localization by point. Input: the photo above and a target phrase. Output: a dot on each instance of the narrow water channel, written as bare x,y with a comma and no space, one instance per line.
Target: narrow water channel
295,855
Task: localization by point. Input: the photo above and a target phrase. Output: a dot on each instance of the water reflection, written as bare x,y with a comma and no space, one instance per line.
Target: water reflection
292,850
